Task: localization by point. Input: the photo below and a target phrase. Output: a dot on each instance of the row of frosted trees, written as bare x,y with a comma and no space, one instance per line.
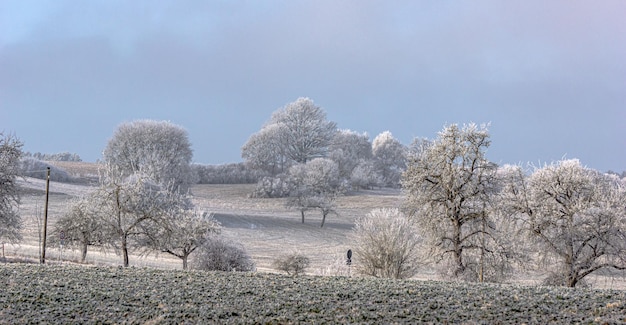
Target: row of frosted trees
311,162
472,218
481,222
300,132
143,203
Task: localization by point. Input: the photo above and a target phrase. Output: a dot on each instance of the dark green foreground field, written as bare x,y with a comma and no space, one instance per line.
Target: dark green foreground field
31,293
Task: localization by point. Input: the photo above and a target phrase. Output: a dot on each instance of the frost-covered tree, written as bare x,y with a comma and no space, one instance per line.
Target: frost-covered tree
365,175
80,226
418,146
300,196
125,204
386,244
326,203
158,149
306,133
315,185
296,133
10,221
265,150
389,158
179,232
348,149
448,187
577,217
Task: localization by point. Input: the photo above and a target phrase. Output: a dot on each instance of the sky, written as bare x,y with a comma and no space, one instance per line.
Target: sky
548,76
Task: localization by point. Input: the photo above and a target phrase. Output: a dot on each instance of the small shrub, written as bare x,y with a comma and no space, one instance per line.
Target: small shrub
18,259
335,265
219,254
386,244
272,187
292,264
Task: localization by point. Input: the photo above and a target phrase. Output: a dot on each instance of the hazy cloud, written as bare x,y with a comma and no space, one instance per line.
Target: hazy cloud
549,76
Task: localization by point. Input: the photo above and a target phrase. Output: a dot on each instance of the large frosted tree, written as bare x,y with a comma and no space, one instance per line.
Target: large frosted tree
124,205
449,184
158,149
389,158
349,149
179,232
10,221
265,151
81,226
296,133
575,215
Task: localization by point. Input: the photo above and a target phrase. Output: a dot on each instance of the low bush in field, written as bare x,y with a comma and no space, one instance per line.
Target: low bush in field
18,260
272,187
237,173
219,254
292,263
74,294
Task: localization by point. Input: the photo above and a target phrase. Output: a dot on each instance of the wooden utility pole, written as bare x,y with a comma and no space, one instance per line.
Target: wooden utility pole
45,219
481,274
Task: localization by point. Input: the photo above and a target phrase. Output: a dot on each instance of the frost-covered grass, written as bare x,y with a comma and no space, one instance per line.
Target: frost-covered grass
74,294
265,228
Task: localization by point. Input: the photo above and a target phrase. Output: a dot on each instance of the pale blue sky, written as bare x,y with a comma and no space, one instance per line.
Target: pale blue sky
550,76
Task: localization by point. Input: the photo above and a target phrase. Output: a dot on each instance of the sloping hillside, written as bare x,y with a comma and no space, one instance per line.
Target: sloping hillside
265,227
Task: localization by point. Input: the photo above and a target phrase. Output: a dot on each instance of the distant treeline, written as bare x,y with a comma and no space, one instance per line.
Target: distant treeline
622,175
62,156
32,167
234,173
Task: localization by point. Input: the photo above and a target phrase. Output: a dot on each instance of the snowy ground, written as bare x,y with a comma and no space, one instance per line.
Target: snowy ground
263,226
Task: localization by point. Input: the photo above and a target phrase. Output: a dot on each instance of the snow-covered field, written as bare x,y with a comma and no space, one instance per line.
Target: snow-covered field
264,227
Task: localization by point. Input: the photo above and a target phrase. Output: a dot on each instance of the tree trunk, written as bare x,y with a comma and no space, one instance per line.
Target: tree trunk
458,250
323,219
83,255
185,261
572,278
571,282
460,268
125,250
481,274
302,213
